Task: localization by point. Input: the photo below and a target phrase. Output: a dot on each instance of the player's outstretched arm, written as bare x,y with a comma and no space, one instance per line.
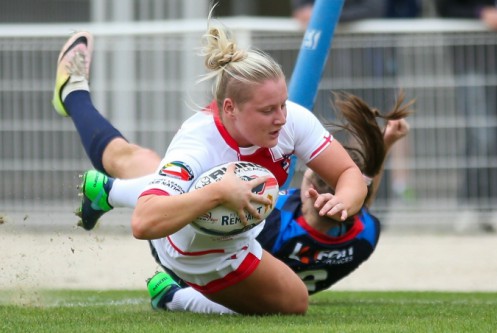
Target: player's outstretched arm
394,131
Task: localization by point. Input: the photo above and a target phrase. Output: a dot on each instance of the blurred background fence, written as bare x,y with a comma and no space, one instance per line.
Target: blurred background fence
143,79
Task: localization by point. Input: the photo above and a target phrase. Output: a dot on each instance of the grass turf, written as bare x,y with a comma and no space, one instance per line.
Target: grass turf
129,311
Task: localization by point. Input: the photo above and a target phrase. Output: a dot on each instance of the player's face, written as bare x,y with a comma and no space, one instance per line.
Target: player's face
307,203
258,121
312,180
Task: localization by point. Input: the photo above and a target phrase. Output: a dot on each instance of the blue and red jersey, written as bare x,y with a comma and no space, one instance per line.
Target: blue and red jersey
320,260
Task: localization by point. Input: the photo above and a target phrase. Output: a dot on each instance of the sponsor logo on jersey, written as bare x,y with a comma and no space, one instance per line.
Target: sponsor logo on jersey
307,255
170,184
177,170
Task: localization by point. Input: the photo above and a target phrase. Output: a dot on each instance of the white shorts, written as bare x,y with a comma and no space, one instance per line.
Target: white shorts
210,264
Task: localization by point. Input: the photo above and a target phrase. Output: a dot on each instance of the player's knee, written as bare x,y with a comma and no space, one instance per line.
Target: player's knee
133,161
149,159
297,301
301,295
300,305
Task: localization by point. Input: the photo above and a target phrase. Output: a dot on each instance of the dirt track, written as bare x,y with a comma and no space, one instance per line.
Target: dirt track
72,258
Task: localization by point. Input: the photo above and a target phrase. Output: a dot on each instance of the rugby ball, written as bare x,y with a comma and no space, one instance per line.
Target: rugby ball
221,221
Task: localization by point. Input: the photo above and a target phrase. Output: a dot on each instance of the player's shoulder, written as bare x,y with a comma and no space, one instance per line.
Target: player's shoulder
295,107
296,113
367,217
200,127
195,137
199,118
365,211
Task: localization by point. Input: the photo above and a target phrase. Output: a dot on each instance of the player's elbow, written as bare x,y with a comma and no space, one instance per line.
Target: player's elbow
138,228
146,219
143,225
148,226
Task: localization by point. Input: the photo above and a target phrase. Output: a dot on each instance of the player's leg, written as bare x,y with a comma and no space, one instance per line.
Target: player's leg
272,288
106,147
166,294
125,160
101,194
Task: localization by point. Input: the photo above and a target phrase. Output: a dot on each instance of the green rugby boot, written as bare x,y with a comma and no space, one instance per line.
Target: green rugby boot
95,190
161,288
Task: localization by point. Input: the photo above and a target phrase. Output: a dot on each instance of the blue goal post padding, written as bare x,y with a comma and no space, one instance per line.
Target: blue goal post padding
312,58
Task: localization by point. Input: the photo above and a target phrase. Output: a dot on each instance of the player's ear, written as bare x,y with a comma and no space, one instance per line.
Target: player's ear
228,107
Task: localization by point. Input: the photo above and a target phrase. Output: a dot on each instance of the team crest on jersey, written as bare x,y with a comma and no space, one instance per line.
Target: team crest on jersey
286,161
177,170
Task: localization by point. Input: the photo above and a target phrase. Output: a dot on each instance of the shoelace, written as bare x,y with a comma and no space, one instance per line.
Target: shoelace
77,65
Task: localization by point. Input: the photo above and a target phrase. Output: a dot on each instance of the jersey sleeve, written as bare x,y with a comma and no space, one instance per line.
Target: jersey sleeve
185,159
309,135
174,175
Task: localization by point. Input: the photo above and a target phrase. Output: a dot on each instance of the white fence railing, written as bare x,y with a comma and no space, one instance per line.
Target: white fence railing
143,78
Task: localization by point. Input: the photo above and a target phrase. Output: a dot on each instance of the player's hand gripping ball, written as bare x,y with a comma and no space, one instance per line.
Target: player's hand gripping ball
221,221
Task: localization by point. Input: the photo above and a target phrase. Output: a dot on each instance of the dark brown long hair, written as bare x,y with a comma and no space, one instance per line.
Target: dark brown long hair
358,123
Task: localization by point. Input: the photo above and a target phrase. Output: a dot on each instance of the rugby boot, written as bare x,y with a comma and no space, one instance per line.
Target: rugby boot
161,288
94,190
73,66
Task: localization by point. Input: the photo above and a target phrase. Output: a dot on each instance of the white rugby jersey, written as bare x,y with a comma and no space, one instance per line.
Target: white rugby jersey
203,143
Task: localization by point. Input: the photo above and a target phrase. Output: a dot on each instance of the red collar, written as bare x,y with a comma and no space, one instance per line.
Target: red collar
356,228
212,107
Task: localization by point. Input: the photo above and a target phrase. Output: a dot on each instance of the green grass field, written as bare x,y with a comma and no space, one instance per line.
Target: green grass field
129,311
